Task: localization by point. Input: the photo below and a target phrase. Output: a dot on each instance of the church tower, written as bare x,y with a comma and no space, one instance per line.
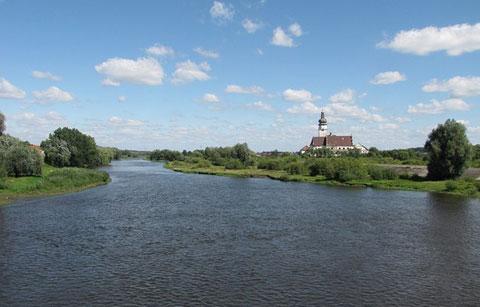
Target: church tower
322,126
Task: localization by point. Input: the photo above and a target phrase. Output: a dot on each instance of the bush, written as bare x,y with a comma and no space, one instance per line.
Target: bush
202,163
21,160
295,168
338,169
381,173
451,186
166,155
270,164
234,164
3,177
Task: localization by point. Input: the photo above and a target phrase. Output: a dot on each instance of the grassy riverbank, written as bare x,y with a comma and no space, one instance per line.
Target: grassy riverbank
53,181
462,187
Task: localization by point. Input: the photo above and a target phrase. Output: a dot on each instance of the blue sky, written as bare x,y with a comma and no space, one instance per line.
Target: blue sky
190,74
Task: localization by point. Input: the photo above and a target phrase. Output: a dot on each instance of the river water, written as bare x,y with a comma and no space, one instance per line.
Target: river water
155,237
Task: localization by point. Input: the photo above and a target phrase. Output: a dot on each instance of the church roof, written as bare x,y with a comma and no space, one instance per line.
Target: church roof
332,140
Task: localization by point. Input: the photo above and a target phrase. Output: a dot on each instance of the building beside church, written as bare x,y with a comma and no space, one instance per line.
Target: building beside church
336,143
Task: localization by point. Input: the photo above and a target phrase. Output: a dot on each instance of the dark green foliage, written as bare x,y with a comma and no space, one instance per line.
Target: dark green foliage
234,164
340,169
381,173
270,164
2,124
448,150
82,147
56,152
295,168
319,152
166,155
107,155
21,160
3,176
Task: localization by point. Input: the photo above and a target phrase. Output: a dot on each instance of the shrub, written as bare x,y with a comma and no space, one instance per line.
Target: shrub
338,169
234,164
21,160
202,163
3,176
295,168
270,164
451,186
381,173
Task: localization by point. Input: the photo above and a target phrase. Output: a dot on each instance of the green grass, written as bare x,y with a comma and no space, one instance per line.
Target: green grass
461,187
53,181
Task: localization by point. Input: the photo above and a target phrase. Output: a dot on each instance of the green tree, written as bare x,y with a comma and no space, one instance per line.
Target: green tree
56,152
2,123
448,151
82,147
21,160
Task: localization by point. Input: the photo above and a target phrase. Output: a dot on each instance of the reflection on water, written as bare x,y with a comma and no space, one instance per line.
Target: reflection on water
157,237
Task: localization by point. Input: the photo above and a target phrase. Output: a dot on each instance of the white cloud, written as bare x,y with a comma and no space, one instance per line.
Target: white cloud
160,50
35,127
388,77
251,26
300,95
454,40
342,110
110,82
52,94
221,12
438,107
237,89
189,71
306,107
280,38
259,105
389,126
145,71
295,29
403,120
10,91
345,96
118,121
207,53
210,98
457,86
122,98
45,75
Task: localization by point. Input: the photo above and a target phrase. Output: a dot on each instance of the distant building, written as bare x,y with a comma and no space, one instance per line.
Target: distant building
336,143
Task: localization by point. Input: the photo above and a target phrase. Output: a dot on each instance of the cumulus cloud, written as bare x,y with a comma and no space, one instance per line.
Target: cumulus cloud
190,71
237,89
122,98
45,75
160,50
438,107
10,91
295,29
35,127
221,12
145,71
260,105
454,40
306,107
251,26
52,94
345,96
207,53
210,98
280,38
118,121
456,86
388,77
300,95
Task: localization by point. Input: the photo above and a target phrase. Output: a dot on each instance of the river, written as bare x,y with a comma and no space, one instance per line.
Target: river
156,237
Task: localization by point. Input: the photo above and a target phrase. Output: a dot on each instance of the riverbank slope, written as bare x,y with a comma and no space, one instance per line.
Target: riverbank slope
53,181
462,187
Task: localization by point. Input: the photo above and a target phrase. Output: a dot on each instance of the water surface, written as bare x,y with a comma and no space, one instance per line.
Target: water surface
153,236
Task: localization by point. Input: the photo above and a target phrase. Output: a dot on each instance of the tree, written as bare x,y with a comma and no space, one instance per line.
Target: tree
21,160
82,147
448,151
2,123
56,152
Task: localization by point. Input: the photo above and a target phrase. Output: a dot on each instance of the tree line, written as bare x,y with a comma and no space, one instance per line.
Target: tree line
447,153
